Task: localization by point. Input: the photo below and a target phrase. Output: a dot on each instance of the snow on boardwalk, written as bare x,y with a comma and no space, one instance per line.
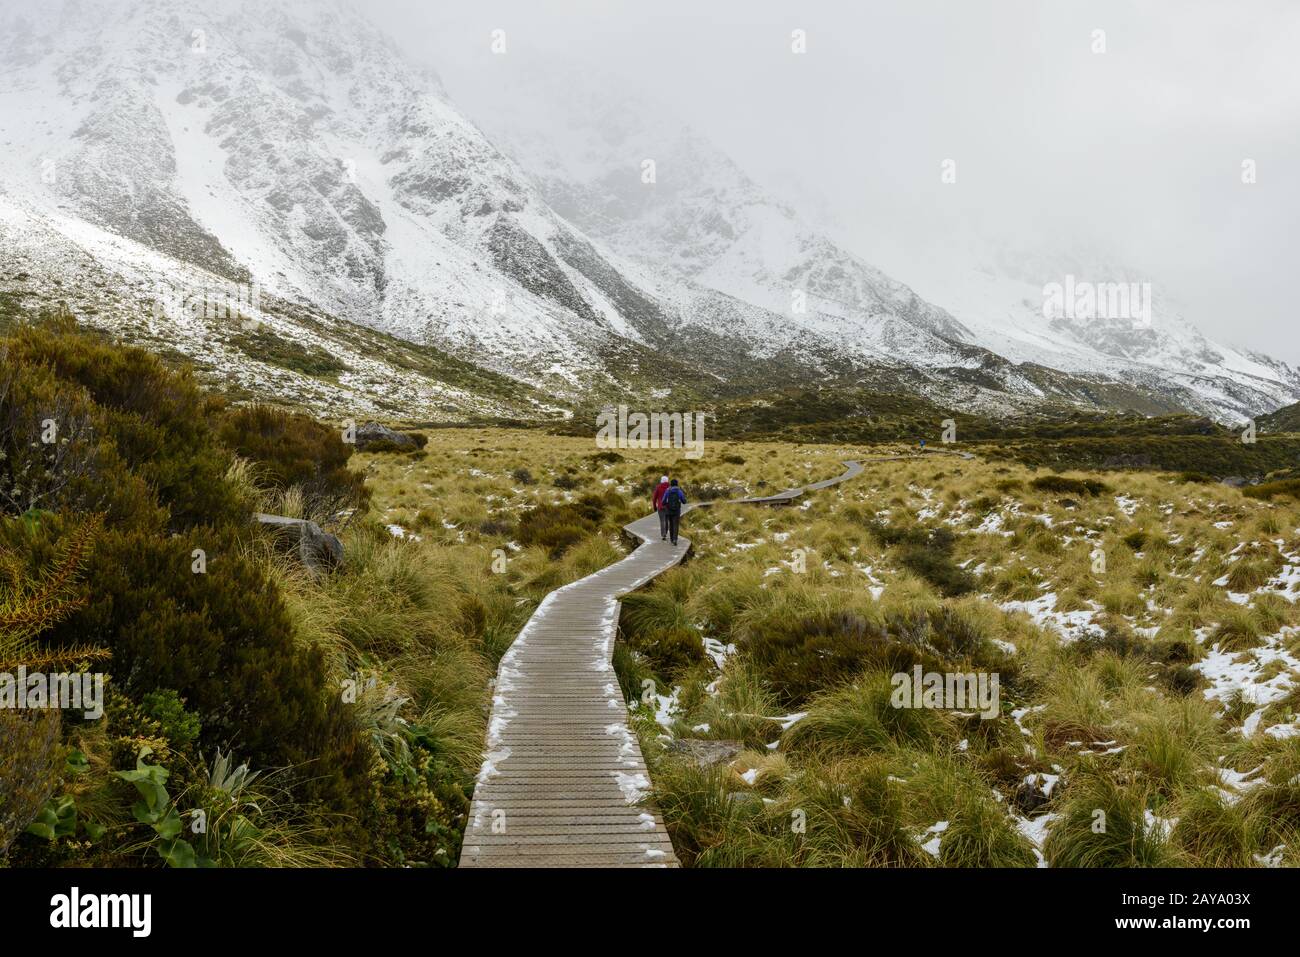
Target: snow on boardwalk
563,778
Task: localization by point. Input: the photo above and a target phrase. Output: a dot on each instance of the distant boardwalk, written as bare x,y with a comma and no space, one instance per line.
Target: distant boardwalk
563,773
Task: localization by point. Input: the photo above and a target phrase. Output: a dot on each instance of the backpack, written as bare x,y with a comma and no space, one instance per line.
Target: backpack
674,502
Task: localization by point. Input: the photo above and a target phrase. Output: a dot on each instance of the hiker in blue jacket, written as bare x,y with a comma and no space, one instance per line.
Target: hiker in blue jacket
673,501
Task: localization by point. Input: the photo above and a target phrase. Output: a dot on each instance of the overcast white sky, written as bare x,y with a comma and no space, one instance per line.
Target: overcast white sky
1138,149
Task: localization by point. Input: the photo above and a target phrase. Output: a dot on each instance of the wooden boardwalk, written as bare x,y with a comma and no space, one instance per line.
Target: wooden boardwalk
563,779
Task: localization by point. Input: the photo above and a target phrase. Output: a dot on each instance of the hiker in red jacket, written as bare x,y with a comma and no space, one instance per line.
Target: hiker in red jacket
663,512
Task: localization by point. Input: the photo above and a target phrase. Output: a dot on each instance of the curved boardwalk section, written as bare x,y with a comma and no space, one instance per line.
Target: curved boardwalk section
562,782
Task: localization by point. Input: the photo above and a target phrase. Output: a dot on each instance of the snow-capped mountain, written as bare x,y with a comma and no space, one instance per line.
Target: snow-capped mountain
290,149
705,222
999,294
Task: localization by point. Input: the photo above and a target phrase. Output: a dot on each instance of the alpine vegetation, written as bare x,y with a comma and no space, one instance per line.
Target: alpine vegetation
310,313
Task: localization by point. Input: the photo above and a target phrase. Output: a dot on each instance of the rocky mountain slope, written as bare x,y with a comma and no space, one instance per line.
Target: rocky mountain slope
154,153
707,224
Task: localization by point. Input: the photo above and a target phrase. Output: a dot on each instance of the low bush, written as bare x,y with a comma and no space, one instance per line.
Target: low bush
294,450
671,650
1063,485
927,553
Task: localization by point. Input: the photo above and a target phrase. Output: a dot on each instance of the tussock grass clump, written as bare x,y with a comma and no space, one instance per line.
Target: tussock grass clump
861,718
980,834
1212,832
927,553
1273,808
742,709
1018,583
670,651
1172,743
1250,573
1105,823
1238,630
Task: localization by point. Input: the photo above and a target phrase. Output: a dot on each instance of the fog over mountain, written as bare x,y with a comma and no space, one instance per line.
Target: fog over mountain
626,201
1137,151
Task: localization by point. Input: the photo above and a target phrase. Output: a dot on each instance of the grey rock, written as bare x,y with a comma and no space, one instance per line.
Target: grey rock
318,547
319,550
372,433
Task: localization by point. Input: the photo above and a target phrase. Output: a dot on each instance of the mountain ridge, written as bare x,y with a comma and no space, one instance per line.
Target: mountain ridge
297,150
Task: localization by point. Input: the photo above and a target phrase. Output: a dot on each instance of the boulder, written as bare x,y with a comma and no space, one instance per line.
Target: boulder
318,549
373,434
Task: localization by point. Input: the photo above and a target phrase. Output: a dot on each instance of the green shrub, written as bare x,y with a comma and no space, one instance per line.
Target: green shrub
1288,488
31,758
180,727
557,528
670,650
217,636
137,435
1062,485
292,449
928,553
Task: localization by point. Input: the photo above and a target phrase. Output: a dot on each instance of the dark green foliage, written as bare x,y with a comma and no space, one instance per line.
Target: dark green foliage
926,552
800,655
1285,419
137,434
30,760
1289,488
558,527
220,640
178,726
263,344
841,413
1136,540
293,449
670,651
555,528
1218,455
1068,486
632,671
424,809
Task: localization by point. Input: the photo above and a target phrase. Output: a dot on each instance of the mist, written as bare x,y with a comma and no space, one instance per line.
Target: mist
1137,150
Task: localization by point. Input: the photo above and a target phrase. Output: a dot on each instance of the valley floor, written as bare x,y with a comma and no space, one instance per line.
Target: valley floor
1142,630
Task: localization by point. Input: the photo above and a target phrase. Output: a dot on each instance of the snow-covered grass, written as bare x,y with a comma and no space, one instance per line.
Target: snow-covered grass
1145,640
